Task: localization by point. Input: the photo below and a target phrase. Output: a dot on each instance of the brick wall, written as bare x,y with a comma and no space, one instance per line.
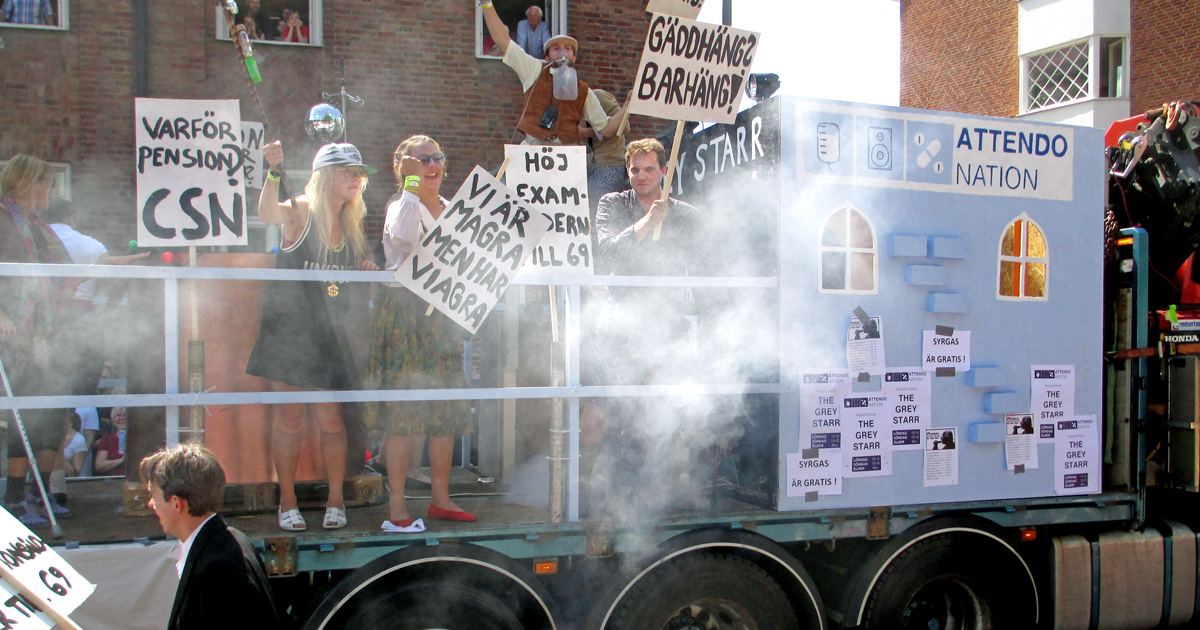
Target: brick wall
960,56
68,96
1164,52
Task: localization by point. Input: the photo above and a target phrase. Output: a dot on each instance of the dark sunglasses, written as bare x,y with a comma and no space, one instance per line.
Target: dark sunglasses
436,158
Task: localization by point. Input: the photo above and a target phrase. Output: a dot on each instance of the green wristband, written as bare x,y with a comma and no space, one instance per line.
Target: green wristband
412,181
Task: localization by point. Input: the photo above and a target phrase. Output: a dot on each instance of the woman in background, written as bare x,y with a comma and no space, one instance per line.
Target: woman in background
302,342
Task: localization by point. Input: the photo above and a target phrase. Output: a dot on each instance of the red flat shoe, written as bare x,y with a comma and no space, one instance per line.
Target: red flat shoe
450,515
404,523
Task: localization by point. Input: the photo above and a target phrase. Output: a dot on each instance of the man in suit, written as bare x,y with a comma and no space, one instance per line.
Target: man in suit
222,584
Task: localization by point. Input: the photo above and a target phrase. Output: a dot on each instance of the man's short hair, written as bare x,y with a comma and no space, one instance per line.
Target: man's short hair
59,211
534,7
645,145
188,471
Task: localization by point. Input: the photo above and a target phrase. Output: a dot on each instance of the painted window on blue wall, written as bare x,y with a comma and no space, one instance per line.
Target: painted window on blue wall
848,255
1024,261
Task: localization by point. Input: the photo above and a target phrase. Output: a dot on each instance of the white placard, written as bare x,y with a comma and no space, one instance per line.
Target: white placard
693,71
553,181
821,396
910,397
28,561
866,443
940,351
188,164
253,139
681,8
464,263
1020,442
820,473
1052,397
1076,456
941,457
864,346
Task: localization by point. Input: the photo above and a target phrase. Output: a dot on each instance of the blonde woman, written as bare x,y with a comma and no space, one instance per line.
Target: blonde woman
302,341
410,350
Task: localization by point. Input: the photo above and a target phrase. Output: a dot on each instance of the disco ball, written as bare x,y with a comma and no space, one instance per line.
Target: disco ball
324,123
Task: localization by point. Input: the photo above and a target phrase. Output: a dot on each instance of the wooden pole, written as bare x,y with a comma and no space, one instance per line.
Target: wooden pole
666,193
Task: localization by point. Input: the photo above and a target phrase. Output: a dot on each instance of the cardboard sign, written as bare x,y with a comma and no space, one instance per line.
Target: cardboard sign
553,181
253,139
693,71
189,173
35,578
680,8
463,264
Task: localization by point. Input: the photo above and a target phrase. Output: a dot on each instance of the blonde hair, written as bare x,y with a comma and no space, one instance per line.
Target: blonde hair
20,174
405,148
645,145
317,191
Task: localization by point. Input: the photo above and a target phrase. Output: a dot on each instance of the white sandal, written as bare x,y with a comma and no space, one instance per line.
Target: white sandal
291,521
335,518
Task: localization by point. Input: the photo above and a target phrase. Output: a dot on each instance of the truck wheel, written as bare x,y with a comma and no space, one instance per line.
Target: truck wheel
952,582
705,592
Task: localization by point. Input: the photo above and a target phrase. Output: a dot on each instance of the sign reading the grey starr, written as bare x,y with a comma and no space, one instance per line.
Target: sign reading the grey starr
189,173
552,180
680,8
465,262
692,71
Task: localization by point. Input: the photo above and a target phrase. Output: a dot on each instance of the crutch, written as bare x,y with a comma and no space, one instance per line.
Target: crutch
54,528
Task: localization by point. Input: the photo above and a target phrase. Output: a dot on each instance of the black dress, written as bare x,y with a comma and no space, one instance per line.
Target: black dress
302,338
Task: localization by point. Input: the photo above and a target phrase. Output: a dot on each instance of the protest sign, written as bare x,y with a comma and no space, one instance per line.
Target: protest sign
253,139
552,180
39,588
464,263
682,8
189,173
692,71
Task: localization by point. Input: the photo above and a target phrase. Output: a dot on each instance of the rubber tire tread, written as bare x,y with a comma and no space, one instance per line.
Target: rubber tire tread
668,588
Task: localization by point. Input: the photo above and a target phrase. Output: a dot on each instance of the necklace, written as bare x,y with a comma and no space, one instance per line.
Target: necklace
332,289
337,249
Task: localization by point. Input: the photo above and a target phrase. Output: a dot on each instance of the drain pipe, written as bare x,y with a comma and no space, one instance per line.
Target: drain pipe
141,60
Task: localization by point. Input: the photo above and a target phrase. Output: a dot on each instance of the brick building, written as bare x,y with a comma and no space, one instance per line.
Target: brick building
1085,62
67,92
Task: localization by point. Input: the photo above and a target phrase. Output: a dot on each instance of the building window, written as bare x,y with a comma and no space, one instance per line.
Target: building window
295,22
512,12
848,258
1024,261
1093,68
43,14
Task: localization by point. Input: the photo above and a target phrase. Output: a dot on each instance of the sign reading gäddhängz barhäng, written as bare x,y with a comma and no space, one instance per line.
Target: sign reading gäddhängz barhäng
189,173
464,263
692,71
680,8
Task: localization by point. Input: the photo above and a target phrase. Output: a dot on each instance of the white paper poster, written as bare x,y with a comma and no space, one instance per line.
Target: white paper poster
821,396
692,71
864,346
946,351
821,473
189,173
1020,442
1076,456
553,180
911,402
463,264
1052,397
866,444
253,139
941,457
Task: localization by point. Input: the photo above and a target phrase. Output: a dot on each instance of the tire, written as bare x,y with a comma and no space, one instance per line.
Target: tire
426,605
953,582
705,591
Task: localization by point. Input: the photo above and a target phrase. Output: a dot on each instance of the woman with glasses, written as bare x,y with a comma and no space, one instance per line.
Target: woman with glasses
302,342
410,350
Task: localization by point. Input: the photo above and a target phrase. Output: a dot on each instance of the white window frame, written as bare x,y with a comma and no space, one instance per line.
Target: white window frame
316,32
62,11
848,250
1023,258
555,16
1093,71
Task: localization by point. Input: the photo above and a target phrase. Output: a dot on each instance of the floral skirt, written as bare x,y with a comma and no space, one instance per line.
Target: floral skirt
412,351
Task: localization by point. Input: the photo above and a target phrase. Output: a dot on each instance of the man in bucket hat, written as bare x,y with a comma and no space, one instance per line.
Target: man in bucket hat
556,100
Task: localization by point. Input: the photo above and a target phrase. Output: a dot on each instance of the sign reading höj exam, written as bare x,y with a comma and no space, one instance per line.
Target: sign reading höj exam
189,173
466,261
552,180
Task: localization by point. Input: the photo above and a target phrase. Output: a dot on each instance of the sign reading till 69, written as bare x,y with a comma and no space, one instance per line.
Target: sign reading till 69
29,565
